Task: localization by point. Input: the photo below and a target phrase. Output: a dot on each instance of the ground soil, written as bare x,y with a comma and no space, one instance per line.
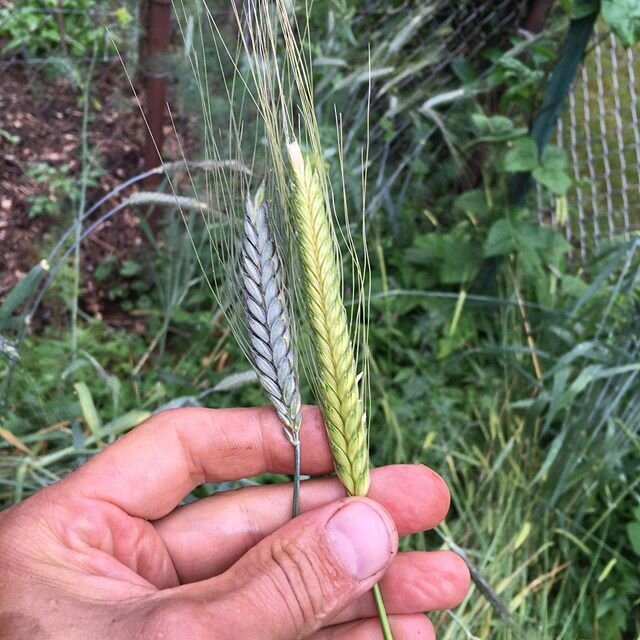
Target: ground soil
41,122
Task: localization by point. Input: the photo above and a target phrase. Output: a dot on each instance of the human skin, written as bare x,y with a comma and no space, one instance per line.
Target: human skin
107,552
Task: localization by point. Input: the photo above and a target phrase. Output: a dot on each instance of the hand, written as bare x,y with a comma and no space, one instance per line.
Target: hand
107,552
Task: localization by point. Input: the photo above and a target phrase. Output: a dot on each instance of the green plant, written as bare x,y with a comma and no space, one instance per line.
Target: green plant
548,168
623,16
77,28
60,187
126,281
60,190
481,237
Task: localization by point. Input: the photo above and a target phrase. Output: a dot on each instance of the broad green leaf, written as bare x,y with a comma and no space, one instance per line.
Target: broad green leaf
492,124
473,201
554,158
523,156
557,247
130,268
633,531
531,235
500,124
529,258
463,69
500,240
573,285
623,16
496,128
556,181
105,269
459,265
454,256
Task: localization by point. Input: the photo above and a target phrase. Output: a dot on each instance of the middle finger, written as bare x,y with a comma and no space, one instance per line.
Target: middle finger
206,537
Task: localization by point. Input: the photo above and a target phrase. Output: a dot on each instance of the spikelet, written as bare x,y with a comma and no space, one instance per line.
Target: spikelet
335,365
272,351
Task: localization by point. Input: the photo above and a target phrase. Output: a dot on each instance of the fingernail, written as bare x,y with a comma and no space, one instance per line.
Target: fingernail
360,538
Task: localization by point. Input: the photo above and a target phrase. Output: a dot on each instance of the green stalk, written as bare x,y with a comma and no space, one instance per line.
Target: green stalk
81,205
382,613
295,504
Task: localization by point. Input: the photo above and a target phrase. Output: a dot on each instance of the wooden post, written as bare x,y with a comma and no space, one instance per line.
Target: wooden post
534,22
156,17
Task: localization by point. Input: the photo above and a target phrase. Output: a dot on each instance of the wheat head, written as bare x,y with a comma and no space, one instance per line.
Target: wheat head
268,326
337,383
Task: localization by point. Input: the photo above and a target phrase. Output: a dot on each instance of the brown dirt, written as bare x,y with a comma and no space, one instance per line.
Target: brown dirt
41,122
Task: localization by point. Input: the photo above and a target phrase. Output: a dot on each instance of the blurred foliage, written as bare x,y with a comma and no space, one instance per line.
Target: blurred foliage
73,28
623,16
58,190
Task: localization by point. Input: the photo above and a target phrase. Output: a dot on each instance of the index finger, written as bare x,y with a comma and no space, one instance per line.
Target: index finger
147,472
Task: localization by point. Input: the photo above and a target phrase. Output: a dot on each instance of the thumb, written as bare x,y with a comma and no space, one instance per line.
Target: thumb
305,573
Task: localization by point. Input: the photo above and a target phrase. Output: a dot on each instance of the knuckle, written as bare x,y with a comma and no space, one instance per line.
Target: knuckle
310,584
459,581
185,619
441,497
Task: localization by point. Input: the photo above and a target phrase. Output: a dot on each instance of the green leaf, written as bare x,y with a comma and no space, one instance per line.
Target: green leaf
523,156
89,413
500,240
473,201
10,137
123,16
463,70
496,128
554,158
127,421
455,256
531,235
130,268
633,531
498,125
579,8
623,16
459,265
22,291
556,181
104,269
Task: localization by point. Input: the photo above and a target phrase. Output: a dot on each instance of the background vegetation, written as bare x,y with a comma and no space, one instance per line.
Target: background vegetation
498,357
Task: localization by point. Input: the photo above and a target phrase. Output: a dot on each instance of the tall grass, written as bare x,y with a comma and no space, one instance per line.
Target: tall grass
543,473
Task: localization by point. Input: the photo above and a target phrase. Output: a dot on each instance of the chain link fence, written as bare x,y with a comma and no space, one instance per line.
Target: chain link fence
600,130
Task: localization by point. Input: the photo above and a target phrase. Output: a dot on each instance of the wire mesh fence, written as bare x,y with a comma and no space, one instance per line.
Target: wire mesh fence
600,130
